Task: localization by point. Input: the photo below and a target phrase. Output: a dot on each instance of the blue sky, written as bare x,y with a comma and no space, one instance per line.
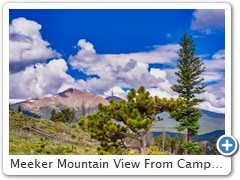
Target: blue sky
105,50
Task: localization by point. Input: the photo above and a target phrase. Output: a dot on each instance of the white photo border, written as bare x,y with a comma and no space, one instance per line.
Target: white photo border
225,162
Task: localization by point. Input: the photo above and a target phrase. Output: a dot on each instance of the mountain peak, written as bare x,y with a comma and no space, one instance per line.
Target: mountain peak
70,98
115,98
71,91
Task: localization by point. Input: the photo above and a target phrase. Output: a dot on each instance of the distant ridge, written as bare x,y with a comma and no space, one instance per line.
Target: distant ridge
209,122
214,134
212,114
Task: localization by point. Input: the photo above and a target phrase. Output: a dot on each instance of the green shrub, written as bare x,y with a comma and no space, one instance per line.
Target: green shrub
73,136
74,126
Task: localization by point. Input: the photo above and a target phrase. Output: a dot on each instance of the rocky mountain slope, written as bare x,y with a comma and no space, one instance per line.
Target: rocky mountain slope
79,100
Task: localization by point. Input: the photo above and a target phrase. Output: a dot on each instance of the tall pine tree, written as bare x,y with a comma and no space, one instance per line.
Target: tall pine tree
19,108
189,84
53,115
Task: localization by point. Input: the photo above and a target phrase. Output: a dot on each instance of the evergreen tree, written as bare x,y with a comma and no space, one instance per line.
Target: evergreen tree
68,115
53,115
65,115
159,141
19,108
72,117
215,150
193,148
124,125
180,148
174,147
60,117
170,145
10,108
167,144
189,84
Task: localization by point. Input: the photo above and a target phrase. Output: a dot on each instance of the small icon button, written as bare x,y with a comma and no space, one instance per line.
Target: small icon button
227,145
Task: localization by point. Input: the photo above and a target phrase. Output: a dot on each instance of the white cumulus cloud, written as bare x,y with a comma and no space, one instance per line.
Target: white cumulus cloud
212,76
208,106
116,91
208,20
40,80
26,44
217,62
121,70
215,67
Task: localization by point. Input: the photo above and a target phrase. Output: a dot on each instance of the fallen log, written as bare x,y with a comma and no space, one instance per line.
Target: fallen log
48,135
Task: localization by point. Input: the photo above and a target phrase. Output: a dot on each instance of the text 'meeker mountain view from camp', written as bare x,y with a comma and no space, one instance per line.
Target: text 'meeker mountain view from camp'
116,82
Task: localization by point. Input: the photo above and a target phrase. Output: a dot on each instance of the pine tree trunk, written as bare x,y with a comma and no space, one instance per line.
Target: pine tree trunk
189,139
143,143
